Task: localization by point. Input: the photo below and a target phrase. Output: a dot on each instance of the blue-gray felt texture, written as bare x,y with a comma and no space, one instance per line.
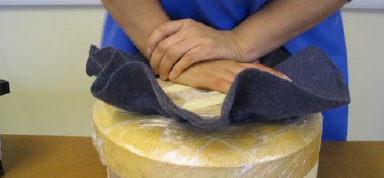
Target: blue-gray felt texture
127,82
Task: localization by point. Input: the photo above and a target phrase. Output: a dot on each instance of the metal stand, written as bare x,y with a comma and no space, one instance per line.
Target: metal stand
4,89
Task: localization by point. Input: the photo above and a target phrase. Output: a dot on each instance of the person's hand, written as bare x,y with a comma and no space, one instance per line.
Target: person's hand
176,45
218,74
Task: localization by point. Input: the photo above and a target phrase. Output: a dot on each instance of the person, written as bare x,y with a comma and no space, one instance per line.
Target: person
205,44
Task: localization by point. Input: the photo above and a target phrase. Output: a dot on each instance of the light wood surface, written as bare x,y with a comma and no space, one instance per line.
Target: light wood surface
351,160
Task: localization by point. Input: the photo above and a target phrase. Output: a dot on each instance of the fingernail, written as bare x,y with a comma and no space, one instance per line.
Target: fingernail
149,51
171,75
287,78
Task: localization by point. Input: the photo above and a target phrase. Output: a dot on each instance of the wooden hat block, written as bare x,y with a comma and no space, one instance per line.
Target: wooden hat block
136,146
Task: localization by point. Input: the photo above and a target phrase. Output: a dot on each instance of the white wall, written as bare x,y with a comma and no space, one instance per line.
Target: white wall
43,52
365,42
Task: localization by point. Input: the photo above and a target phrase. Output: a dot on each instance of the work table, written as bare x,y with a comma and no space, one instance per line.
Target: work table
62,156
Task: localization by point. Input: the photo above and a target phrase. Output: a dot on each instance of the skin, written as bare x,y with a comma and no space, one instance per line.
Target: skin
173,47
219,74
138,18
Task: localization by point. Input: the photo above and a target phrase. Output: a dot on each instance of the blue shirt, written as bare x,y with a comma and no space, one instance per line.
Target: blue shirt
226,14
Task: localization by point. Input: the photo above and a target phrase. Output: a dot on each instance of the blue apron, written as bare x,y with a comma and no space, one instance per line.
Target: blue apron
226,14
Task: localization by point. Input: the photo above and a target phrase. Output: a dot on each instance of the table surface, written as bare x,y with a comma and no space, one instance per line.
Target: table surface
75,157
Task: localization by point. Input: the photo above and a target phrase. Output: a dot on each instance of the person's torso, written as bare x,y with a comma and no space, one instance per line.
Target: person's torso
220,14
227,14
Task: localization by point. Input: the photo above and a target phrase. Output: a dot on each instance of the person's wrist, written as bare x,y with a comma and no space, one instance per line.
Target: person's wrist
247,49
146,50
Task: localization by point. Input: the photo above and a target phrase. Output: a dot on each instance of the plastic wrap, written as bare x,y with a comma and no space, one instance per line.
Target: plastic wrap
132,145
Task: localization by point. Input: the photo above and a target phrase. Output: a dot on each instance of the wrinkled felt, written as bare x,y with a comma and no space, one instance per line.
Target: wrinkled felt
127,82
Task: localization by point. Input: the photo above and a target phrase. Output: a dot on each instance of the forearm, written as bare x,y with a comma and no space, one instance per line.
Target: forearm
138,18
278,22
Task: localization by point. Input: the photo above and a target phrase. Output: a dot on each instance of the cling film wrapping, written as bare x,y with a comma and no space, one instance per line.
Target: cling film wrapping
153,146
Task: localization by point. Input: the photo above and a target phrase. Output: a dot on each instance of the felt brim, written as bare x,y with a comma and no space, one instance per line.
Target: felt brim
127,82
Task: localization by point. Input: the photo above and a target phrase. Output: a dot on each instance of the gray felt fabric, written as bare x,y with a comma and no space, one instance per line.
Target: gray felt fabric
127,82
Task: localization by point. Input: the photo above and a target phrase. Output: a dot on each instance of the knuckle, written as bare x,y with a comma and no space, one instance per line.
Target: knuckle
162,28
171,53
190,60
162,47
189,57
